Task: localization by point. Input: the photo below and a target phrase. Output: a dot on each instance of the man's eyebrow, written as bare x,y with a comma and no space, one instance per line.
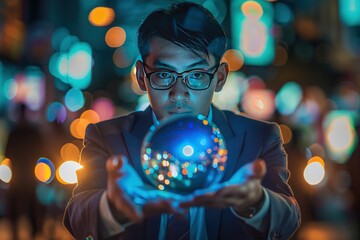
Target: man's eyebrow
201,62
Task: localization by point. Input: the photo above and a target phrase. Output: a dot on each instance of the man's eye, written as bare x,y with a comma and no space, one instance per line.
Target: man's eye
197,75
164,75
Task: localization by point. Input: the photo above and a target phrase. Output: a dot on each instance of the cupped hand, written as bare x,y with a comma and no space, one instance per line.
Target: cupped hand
131,199
242,191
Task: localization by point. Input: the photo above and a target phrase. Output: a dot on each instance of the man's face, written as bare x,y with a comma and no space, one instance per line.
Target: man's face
164,55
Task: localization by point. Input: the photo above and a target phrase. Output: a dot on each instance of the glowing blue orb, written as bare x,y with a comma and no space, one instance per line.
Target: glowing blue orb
184,153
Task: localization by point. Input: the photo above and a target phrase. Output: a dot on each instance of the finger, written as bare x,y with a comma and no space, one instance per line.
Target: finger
232,191
258,168
113,165
155,208
198,201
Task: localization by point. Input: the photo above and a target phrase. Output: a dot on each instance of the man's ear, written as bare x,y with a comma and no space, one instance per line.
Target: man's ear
222,74
140,75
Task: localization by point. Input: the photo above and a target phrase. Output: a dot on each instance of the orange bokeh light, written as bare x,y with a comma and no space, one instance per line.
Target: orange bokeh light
101,16
78,127
317,159
252,9
91,116
115,37
69,152
234,58
42,172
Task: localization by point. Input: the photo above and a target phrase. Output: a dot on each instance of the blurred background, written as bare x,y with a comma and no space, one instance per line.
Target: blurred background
65,64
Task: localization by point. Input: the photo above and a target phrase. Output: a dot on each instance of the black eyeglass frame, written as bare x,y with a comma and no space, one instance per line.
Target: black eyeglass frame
183,75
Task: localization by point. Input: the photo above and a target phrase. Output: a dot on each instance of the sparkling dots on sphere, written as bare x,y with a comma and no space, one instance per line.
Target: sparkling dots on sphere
184,153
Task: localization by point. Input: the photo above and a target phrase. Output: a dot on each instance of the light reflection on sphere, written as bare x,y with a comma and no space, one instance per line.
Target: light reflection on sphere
184,153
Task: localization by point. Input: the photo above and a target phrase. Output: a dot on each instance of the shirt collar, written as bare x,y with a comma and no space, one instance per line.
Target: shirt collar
209,118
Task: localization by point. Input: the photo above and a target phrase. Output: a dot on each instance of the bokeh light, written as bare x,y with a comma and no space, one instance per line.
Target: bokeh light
288,98
101,16
283,13
10,88
259,103
314,173
67,172
56,112
251,24
123,57
317,159
74,99
281,56
104,107
286,133
5,170
234,58
115,37
69,151
79,65
252,9
58,36
44,170
91,116
78,128
349,11
229,97
340,135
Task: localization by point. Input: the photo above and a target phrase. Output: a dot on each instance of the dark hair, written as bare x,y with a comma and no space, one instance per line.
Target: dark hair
186,24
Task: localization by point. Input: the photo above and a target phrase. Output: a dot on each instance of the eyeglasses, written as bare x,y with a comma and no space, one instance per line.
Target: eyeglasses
193,79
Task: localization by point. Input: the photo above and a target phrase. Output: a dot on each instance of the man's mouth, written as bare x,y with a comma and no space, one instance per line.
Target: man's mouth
179,110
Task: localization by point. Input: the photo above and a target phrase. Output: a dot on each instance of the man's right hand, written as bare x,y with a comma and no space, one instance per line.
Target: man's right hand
122,183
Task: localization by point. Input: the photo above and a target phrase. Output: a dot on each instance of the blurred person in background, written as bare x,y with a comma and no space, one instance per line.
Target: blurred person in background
181,50
24,147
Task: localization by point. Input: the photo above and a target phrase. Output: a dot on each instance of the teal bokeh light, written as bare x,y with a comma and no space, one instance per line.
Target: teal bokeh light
79,65
56,112
283,13
73,67
251,31
288,98
74,99
349,11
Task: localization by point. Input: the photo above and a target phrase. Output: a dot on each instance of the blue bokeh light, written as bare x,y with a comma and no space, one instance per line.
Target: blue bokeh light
74,99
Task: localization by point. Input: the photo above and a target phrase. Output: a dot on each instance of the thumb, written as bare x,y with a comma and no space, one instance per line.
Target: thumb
113,166
258,168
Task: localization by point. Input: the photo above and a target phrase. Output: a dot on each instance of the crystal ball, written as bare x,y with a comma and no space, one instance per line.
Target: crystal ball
184,153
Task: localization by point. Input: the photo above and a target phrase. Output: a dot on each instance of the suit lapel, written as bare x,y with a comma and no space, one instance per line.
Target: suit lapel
133,140
234,143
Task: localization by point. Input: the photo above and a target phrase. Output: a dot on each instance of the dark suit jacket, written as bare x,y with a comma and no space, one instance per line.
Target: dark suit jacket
246,139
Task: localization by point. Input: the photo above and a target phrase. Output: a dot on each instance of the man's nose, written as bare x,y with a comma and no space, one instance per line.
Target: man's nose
179,92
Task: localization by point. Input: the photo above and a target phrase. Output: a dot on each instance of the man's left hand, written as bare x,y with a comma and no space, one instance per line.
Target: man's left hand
242,192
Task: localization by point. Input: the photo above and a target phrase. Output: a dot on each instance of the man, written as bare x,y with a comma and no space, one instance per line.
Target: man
181,49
